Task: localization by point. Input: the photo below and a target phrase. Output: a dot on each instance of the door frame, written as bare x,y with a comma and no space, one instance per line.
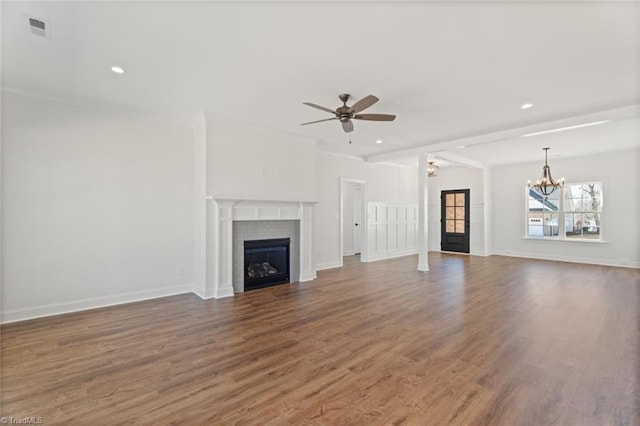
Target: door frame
364,213
467,219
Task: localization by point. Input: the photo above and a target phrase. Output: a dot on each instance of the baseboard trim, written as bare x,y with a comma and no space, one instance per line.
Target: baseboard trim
308,276
481,253
374,257
472,252
203,294
33,312
571,259
423,267
328,265
224,292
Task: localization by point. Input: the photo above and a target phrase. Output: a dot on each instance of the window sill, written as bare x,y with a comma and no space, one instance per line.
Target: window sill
567,240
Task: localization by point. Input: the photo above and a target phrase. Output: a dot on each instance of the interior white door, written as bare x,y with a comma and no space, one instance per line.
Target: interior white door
357,219
347,219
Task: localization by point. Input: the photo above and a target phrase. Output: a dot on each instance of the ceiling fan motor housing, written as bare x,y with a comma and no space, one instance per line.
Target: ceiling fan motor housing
344,113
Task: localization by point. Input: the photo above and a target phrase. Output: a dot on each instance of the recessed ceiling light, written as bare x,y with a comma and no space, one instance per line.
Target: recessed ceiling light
117,70
526,106
378,141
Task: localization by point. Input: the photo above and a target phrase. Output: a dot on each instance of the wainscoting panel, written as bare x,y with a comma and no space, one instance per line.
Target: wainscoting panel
391,230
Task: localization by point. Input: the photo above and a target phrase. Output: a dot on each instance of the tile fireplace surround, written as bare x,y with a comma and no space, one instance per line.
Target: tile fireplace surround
234,210
244,230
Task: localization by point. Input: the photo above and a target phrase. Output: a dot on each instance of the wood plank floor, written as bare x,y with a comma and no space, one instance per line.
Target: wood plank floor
487,341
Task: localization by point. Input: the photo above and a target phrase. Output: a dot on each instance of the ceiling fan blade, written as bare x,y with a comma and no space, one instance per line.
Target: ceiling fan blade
319,107
318,121
364,103
347,126
375,117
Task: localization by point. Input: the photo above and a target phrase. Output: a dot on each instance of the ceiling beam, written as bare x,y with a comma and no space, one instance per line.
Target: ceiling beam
453,158
437,148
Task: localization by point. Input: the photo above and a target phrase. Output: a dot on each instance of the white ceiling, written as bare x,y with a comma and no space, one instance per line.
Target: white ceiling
449,71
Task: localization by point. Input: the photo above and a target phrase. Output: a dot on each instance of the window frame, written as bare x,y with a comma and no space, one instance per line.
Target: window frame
562,212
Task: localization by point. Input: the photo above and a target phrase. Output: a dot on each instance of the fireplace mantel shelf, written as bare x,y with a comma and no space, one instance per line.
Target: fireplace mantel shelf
238,198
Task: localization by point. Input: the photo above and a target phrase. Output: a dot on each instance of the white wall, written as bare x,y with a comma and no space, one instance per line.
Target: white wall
458,178
97,208
385,184
621,209
259,163
101,208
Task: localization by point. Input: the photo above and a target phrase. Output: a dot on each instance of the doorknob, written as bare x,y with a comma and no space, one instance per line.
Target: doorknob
356,224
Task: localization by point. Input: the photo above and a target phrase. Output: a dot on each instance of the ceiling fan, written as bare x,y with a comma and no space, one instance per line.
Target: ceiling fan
346,113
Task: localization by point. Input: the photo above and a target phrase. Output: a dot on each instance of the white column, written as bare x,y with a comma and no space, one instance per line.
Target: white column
224,274
423,215
487,191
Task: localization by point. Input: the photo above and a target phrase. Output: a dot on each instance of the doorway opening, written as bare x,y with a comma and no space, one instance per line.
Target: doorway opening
353,218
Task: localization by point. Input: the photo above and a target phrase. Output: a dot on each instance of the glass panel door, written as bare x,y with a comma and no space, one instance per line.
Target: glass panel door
455,220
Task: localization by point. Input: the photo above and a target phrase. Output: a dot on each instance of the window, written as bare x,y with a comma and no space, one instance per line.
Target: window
583,206
571,213
543,214
455,213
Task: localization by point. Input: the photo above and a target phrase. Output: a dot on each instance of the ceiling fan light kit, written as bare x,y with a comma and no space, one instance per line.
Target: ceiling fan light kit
345,114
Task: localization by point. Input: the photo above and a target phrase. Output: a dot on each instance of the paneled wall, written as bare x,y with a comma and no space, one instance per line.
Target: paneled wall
391,230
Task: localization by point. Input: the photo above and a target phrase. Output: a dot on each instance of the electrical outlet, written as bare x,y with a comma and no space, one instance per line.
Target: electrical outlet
180,271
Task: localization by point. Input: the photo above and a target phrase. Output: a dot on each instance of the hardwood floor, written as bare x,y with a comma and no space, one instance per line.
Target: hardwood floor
491,341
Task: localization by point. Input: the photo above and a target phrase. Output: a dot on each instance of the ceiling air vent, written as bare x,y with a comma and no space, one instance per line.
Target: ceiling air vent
38,27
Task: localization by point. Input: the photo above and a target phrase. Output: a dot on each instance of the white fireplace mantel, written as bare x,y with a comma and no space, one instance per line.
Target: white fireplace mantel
263,209
229,209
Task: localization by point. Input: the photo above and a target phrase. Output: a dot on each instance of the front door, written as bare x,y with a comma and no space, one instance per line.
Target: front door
454,222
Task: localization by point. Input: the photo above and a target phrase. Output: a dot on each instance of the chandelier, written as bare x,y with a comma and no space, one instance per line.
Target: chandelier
546,185
432,169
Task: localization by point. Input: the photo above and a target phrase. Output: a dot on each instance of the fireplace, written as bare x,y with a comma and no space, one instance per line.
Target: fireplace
266,262
238,219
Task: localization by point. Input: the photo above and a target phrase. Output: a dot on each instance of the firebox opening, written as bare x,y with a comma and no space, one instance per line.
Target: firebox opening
266,262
